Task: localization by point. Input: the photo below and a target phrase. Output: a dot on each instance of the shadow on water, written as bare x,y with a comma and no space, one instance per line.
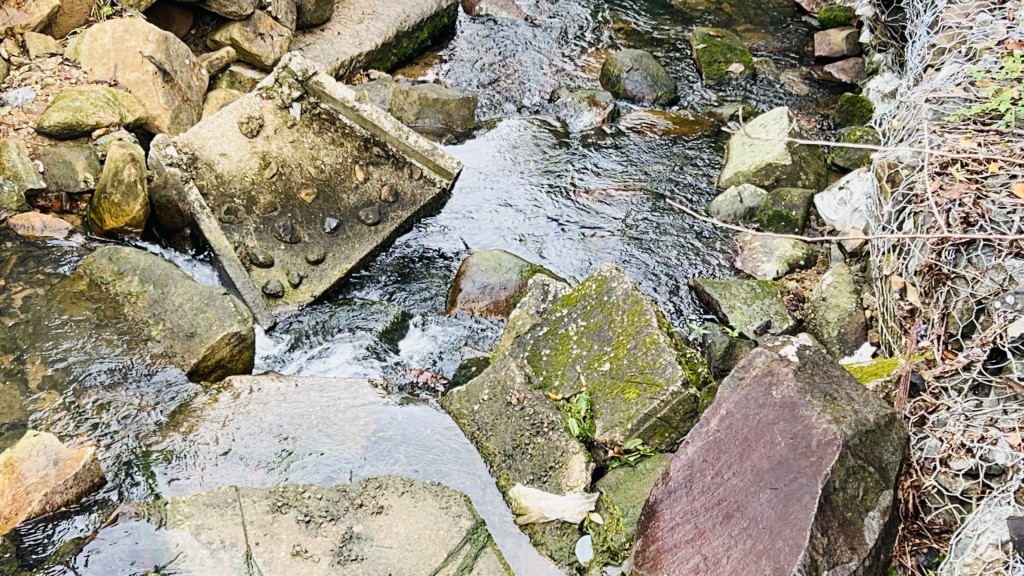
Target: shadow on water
568,201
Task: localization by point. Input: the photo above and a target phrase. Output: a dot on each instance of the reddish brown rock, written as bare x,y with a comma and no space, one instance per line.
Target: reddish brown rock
836,43
791,470
490,282
850,70
36,225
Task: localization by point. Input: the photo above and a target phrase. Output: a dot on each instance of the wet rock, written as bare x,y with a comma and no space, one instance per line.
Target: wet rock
770,258
218,61
273,289
844,204
753,307
311,179
230,9
72,14
825,504
542,291
854,158
836,43
259,40
623,493
850,70
172,17
69,167
434,109
489,283
81,110
381,525
720,55
13,417
360,35
584,109
722,350
370,215
18,174
36,225
240,77
836,15
834,313
737,204
853,110
40,475
494,9
635,75
761,155
785,210
217,99
670,123
121,202
27,16
41,45
160,71
311,13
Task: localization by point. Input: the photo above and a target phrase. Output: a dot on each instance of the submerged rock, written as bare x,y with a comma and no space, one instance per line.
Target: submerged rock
635,75
761,154
584,109
817,499
785,210
720,55
121,202
770,258
434,109
18,175
40,475
737,204
69,167
259,39
489,283
670,123
81,110
753,307
834,313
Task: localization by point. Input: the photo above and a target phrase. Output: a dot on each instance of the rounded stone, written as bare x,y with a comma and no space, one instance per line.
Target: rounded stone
388,194
285,231
261,258
316,256
370,215
231,214
294,279
417,173
274,289
635,75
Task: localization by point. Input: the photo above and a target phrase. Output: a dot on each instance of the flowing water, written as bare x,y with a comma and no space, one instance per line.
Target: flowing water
568,201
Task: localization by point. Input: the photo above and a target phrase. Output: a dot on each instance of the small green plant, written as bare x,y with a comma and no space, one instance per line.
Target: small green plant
103,10
632,451
694,331
579,418
1004,100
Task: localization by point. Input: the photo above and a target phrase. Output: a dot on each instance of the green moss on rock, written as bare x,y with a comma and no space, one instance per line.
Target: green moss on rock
835,15
785,210
853,110
717,52
79,111
635,75
854,158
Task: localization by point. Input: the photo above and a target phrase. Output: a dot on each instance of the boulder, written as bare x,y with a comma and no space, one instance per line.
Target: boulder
231,9
785,210
81,110
720,55
238,76
23,16
722,349
379,92
836,15
18,174
40,475
41,45
259,39
310,13
849,70
37,225
374,527
72,14
69,167
836,43
844,204
853,110
102,144
668,123
854,158
635,75
584,109
816,499
121,203
834,313
489,283
351,178
160,70
434,109
761,154
737,204
284,11
163,312
217,99
770,258
752,307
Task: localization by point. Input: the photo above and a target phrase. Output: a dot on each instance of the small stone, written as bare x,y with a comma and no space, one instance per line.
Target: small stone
417,173
316,256
737,204
80,110
720,55
18,174
27,15
273,289
240,77
250,125
285,231
834,313
267,206
331,225
434,109
585,550
388,194
217,99
231,214
370,215
583,109
836,15
308,194
294,279
635,75
121,202
218,61
261,258
844,204
489,283
746,305
259,39
836,43
849,71
764,155
770,258
360,174
230,9
311,13
853,158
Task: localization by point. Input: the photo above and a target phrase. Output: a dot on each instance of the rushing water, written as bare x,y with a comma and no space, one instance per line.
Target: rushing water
568,201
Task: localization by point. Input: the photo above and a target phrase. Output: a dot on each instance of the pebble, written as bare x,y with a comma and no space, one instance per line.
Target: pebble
274,289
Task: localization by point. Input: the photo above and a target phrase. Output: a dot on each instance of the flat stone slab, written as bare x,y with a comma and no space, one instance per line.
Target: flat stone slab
375,34
295,184
754,307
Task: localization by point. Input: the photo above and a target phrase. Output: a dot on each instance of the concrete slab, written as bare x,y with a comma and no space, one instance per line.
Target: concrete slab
295,184
375,34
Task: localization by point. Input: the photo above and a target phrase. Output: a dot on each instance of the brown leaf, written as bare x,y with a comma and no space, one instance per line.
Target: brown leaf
1017,189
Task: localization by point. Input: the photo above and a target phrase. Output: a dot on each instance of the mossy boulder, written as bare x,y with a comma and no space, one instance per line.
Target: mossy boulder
69,167
854,158
738,203
770,258
635,75
81,110
753,307
720,55
763,154
18,174
785,210
121,202
836,15
623,493
489,283
834,313
853,110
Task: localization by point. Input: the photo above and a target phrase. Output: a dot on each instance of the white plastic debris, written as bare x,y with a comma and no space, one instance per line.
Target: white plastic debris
585,550
533,506
863,354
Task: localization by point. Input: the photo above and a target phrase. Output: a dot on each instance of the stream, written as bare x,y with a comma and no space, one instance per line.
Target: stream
567,201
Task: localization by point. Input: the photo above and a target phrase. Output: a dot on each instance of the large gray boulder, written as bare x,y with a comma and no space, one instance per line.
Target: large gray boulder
816,496
763,155
834,313
635,75
18,174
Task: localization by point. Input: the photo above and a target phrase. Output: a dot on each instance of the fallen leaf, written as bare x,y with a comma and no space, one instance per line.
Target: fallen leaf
595,518
735,68
993,168
1017,189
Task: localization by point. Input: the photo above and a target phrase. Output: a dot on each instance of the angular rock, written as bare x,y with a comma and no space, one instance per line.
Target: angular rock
102,144
817,499
542,291
583,109
753,307
844,205
668,123
240,77
81,110
635,75
69,167
770,258
761,155
217,99
360,35
201,330
623,493
379,92
231,9
854,158
40,475
722,350
836,43
377,526
18,174
259,39
27,16
489,283
284,11
836,15
853,110
41,45
737,204
160,70
121,202
311,13
36,225
219,60
233,178
434,109
834,313
785,210
720,55
850,70
72,14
